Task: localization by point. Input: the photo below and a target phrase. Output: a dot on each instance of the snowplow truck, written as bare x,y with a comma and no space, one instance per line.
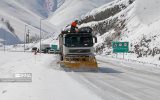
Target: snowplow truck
76,50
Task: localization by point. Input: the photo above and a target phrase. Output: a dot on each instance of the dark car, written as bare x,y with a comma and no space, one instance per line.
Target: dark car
34,49
46,49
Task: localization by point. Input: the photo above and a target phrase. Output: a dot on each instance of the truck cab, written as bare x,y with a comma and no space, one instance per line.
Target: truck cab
80,44
77,48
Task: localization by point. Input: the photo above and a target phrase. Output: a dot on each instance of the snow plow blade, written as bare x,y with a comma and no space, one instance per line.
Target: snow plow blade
80,63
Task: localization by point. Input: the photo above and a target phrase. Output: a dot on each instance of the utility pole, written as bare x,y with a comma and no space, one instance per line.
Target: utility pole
40,34
28,35
4,42
25,37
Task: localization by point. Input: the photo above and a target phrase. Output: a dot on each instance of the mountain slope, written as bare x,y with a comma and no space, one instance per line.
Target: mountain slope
73,9
42,8
133,21
7,37
21,12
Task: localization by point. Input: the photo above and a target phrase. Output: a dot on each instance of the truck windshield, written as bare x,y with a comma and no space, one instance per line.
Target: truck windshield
78,40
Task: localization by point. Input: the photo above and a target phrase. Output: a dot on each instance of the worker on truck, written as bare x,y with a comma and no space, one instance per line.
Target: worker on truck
74,27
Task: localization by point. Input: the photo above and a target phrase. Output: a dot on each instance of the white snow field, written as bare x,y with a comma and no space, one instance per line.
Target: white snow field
47,83
116,79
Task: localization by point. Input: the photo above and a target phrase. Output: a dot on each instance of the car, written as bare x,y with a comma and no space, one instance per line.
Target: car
52,51
46,50
34,49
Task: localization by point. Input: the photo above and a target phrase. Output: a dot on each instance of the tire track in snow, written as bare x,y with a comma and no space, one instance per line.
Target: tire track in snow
119,82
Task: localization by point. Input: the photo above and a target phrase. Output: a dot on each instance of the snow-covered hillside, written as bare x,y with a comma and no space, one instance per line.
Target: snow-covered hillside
133,21
21,12
29,12
74,9
42,8
11,37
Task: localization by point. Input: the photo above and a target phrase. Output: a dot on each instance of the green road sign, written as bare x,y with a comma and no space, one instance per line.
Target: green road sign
54,47
120,47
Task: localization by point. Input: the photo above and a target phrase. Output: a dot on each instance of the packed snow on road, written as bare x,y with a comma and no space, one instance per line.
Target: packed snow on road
115,80
47,83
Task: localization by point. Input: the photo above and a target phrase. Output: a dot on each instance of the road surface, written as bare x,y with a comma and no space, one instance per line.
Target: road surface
122,81
116,79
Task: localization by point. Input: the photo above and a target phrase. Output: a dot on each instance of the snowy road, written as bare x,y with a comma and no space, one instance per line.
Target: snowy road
47,83
122,81
116,80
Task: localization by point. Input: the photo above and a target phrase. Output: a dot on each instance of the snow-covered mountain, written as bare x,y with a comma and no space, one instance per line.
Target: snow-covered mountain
7,34
20,13
74,9
42,8
135,21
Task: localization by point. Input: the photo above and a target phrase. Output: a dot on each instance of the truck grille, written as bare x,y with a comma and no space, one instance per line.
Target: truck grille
79,51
